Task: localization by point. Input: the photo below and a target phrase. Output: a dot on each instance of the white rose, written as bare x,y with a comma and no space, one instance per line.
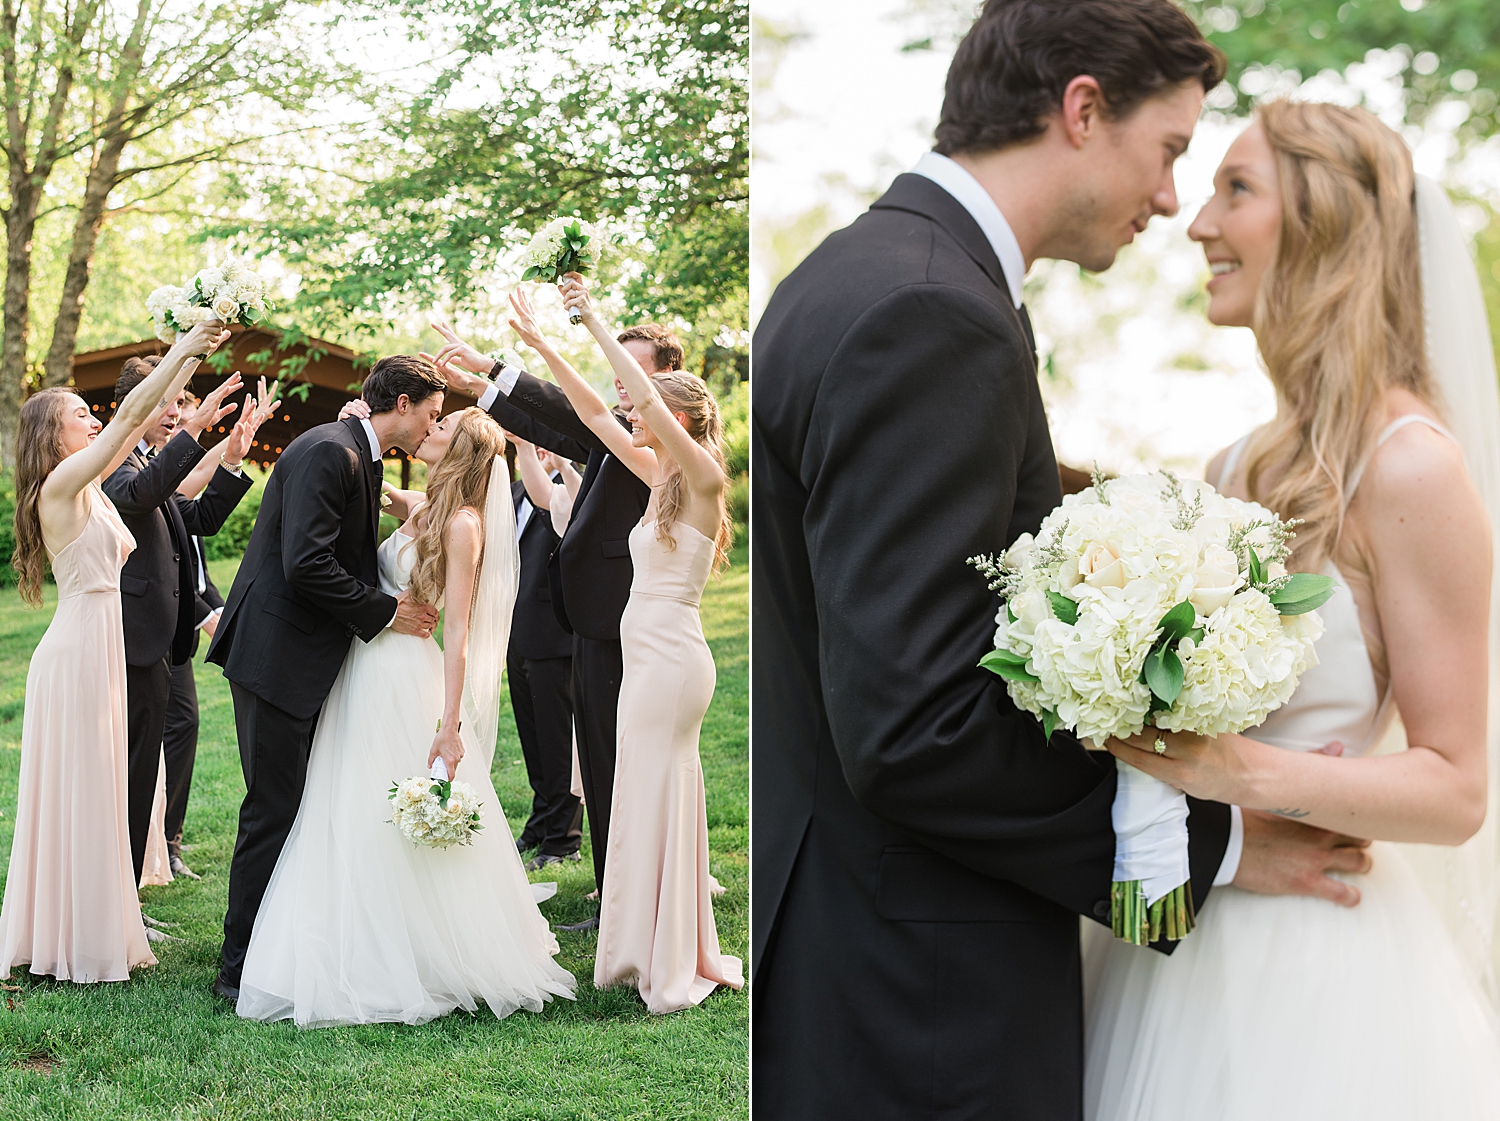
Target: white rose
1215,581
226,308
1101,566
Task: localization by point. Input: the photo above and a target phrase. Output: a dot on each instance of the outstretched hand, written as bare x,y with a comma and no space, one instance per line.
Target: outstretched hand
576,298
524,323
213,407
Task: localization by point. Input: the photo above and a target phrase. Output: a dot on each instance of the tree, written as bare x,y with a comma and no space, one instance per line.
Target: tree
634,112
88,83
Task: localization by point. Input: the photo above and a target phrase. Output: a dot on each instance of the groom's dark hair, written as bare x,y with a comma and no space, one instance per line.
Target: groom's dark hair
1011,69
398,374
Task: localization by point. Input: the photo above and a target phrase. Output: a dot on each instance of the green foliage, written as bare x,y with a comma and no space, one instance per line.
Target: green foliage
7,528
1064,608
233,538
630,112
1303,592
1309,36
161,1046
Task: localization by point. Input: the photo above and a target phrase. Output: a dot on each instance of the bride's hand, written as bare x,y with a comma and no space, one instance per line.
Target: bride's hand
449,745
393,502
575,296
355,407
1214,768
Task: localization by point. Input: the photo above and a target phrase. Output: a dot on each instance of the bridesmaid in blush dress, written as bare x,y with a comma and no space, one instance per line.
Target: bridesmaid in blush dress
656,918
70,909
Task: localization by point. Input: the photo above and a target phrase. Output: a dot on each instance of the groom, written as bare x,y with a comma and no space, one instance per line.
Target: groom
307,586
920,853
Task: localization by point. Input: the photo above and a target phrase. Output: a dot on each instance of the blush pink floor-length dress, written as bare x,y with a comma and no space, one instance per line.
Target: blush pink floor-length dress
656,916
71,909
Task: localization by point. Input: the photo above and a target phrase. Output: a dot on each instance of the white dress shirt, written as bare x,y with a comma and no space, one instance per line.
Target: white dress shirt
504,382
375,456
982,208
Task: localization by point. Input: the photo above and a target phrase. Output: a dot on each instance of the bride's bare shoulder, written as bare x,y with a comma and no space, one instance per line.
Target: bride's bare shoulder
1417,485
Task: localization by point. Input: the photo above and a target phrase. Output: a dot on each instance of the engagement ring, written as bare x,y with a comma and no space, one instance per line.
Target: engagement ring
1160,747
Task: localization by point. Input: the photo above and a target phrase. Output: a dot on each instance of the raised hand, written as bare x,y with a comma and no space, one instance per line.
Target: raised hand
420,619
203,339
459,353
265,405
211,409
575,296
524,324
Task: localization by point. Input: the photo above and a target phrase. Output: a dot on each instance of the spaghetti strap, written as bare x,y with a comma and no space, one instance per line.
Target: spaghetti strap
1231,461
1385,434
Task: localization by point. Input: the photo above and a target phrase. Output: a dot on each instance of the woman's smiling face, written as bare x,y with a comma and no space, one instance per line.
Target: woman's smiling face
1238,228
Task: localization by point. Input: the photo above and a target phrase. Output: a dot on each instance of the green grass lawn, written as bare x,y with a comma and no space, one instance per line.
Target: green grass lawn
162,1046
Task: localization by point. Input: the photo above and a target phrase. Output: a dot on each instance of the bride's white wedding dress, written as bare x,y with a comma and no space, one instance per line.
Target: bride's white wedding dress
359,925
1290,1007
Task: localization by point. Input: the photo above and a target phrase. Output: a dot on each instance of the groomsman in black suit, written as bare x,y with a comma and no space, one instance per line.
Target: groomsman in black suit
921,853
180,737
590,569
158,584
308,584
539,667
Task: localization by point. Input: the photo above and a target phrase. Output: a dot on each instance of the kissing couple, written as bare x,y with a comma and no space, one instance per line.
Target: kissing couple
340,689
922,854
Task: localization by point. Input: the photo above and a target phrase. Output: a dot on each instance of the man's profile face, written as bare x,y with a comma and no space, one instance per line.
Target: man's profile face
160,432
420,418
1126,175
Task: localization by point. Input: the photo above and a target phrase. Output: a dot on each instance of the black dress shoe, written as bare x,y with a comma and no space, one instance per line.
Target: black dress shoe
542,859
580,927
224,989
523,844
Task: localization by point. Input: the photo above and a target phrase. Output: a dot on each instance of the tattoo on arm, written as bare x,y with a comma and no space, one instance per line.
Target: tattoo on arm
1287,811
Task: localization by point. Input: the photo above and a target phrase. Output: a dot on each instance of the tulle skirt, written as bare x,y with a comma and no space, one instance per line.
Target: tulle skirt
358,924
1293,1008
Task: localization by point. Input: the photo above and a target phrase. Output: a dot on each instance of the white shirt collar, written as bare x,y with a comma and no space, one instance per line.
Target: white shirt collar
976,200
143,447
375,448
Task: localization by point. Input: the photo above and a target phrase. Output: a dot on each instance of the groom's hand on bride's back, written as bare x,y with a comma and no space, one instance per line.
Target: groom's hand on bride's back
1283,857
420,619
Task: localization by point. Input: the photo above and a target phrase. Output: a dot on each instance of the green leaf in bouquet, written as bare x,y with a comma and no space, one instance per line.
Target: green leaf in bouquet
1009,614
1163,673
250,315
1304,592
1010,666
1257,570
1049,724
1176,624
1063,607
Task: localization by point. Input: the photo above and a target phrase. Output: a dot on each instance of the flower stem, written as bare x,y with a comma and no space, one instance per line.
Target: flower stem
1133,921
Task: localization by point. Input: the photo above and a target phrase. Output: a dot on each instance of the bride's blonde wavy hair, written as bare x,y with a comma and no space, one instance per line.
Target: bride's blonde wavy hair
461,478
1339,314
688,394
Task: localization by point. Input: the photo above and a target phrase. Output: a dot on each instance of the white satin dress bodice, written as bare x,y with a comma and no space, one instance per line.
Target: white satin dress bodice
1288,1006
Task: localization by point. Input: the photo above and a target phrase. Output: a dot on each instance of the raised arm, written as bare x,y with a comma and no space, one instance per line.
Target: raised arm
701,471
464,538
231,450
590,407
133,415
533,474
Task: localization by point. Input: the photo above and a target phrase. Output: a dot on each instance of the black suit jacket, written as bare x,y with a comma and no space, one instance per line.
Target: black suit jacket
592,562
309,581
898,429
534,630
158,584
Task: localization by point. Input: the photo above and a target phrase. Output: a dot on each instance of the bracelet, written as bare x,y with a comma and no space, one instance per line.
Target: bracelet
496,368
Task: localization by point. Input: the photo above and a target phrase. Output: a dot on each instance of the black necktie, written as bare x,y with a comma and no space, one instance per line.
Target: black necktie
150,454
1026,326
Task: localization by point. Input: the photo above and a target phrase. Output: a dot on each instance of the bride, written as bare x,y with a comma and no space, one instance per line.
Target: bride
1290,1006
359,925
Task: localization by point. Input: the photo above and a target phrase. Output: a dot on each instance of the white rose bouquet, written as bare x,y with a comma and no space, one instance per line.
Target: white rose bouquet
1151,600
562,246
434,811
230,293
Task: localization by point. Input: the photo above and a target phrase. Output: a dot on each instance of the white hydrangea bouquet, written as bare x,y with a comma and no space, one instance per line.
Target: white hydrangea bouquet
435,811
1152,600
231,293
562,246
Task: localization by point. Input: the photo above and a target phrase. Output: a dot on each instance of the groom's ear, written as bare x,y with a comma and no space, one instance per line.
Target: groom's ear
1082,110
403,405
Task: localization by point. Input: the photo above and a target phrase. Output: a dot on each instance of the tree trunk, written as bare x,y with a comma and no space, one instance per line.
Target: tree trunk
101,180
20,227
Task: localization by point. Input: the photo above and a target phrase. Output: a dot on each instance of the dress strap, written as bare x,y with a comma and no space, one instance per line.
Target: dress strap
1231,461
1385,434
